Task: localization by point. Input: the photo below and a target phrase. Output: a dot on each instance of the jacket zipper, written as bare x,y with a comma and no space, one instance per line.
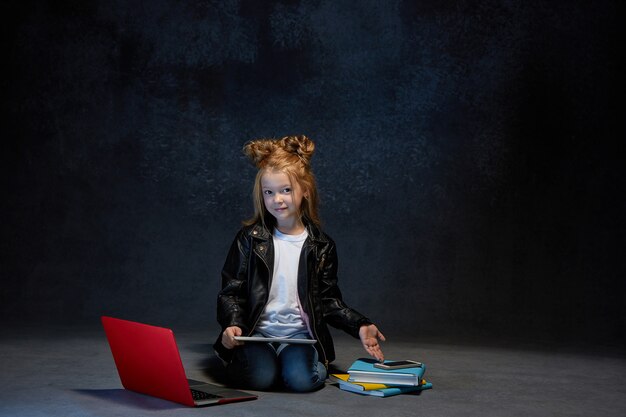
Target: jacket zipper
319,342
313,327
269,274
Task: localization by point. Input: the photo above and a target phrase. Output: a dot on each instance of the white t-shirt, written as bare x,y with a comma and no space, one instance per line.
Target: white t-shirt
282,316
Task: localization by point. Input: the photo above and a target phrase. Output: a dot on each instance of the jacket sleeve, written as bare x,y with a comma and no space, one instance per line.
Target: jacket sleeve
336,312
232,300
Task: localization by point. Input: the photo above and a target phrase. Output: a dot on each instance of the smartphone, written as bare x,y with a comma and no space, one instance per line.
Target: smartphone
397,365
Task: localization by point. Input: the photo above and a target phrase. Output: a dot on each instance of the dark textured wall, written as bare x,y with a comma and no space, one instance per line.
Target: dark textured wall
468,157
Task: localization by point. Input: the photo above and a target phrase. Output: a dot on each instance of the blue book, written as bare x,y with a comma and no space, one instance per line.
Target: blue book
363,370
384,392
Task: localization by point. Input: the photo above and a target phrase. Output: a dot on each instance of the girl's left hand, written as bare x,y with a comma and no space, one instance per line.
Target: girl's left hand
370,335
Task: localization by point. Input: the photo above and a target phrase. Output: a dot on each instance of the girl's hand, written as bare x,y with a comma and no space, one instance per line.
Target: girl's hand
228,337
370,335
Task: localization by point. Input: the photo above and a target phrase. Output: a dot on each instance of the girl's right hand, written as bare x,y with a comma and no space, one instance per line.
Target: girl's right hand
228,337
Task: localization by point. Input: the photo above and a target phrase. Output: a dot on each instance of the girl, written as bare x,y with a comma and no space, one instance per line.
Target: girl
280,279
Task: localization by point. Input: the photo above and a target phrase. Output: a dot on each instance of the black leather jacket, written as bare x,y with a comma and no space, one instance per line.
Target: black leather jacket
246,279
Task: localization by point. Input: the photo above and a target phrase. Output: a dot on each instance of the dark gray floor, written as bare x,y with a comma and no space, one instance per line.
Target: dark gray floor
70,372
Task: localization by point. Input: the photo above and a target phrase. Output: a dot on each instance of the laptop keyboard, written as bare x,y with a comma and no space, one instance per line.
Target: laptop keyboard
200,395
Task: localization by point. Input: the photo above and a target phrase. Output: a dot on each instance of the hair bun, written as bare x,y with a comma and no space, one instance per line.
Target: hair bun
258,150
300,145
262,151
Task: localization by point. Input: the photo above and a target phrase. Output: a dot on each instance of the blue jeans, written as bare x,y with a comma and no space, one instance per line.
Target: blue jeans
263,366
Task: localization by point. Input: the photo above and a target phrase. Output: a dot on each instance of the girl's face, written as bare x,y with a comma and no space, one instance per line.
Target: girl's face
282,199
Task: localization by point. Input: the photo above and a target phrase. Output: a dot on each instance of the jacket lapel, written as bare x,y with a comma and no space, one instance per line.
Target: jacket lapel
263,247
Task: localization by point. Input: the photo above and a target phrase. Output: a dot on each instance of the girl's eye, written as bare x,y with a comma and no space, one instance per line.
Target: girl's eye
287,190
267,192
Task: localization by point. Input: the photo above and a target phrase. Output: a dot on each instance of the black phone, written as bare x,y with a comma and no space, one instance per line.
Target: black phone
397,364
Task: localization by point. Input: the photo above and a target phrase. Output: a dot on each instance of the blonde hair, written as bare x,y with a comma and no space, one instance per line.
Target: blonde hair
291,155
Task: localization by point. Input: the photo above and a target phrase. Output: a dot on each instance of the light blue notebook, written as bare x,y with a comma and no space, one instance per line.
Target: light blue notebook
363,370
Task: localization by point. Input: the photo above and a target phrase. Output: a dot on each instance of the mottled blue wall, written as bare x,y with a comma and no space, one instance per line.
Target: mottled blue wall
466,157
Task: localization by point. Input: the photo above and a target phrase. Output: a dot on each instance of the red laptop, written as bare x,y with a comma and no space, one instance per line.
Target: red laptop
148,362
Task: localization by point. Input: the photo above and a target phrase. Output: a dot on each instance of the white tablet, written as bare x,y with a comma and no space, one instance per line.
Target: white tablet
275,340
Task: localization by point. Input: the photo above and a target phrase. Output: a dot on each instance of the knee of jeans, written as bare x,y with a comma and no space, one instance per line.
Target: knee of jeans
254,368
262,380
258,379
301,371
303,379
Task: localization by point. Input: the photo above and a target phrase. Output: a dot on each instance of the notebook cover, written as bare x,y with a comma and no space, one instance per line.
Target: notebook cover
363,370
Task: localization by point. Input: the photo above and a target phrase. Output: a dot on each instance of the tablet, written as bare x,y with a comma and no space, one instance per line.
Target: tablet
275,340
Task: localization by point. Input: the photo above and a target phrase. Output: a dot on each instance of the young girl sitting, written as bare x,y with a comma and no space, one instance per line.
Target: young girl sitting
280,279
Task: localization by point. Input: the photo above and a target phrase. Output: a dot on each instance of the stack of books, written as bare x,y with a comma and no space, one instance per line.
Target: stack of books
363,378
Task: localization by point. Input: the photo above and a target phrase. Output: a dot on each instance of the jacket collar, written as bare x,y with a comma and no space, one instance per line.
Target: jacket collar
258,231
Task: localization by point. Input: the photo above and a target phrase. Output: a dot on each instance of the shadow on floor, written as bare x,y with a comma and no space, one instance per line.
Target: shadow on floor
129,398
